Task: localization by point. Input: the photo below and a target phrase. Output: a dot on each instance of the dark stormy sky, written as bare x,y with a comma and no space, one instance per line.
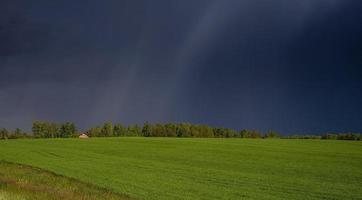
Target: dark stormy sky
293,66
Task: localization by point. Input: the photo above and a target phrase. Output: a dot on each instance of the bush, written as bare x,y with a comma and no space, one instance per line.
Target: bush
272,134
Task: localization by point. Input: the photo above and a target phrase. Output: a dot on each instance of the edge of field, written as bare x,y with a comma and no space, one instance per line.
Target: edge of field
18,181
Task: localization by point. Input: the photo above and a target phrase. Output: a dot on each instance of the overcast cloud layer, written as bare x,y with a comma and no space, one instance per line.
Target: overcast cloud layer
288,65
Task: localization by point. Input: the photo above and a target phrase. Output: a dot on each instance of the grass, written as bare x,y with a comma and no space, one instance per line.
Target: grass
173,168
18,182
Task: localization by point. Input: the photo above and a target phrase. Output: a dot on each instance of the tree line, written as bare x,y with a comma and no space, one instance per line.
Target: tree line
174,130
42,129
16,134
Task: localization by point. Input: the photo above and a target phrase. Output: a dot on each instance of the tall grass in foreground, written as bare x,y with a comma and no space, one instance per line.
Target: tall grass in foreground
19,182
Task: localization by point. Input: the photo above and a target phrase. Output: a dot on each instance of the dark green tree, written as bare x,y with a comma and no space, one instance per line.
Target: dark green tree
170,130
94,132
53,130
119,130
107,130
158,131
39,129
184,130
230,133
272,134
205,131
147,130
18,133
67,130
4,134
195,131
244,133
134,130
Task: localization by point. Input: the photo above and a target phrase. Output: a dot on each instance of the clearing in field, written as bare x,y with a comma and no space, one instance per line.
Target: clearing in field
175,168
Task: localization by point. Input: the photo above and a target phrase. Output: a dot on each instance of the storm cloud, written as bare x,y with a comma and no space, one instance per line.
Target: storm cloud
291,66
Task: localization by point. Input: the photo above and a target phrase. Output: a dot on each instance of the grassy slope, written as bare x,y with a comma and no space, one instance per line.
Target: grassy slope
19,182
169,168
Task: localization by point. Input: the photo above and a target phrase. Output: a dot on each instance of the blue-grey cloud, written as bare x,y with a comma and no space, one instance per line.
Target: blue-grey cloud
291,66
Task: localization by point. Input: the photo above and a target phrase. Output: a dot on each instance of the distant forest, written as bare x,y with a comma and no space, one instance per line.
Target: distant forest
42,129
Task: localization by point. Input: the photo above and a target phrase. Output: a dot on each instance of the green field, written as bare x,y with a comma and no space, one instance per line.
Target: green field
171,168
